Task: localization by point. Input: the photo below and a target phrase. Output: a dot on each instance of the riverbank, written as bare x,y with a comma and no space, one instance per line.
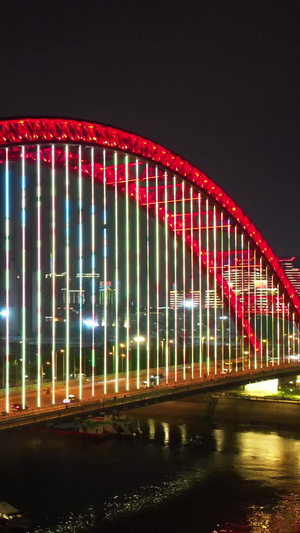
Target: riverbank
225,408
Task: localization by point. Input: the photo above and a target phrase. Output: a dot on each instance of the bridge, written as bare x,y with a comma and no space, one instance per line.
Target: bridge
123,263
123,401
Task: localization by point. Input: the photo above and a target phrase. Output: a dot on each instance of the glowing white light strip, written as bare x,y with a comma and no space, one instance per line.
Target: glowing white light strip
243,304
248,302
267,319
183,279
39,279
80,254
272,312
105,269
53,271
93,269
93,258
283,332
67,254
208,294
255,303
215,295
116,278
261,313
236,300
192,282
148,276
127,277
167,280
222,277
137,274
7,273
229,285
23,279
294,335
175,281
200,287
278,324
157,275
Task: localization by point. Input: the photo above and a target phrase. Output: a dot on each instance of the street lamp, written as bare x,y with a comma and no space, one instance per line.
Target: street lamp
162,351
265,341
60,351
122,345
42,366
90,323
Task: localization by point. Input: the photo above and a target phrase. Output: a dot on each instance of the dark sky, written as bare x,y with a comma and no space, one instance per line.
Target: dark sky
215,81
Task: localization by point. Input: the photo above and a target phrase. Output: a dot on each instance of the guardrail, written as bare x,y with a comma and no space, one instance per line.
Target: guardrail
159,393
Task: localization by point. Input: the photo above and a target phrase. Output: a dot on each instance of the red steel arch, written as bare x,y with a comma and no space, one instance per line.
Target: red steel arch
57,130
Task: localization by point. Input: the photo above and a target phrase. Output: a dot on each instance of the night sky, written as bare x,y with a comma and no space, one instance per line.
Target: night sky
215,81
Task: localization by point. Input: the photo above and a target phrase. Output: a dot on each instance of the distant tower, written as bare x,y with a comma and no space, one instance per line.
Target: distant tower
292,270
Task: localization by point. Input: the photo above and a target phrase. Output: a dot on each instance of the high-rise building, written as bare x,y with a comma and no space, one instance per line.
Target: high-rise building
292,270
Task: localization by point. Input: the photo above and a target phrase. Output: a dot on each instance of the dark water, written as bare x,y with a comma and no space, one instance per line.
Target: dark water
243,480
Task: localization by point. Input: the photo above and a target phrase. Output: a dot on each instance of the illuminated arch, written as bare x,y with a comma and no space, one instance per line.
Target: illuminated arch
30,131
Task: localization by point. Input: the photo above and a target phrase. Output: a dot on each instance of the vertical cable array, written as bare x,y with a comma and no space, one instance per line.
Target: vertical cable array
236,299
243,302
67,259
272,325
183,281
222,304
93,260
215,295
23,221
229,289
278,324
116,348
7,276
283,332
167,279
294,334
192,283
262,289
127,276
255,304
39,278
175,281
138,304
148,276
105,271
80,257
249,303
200,285
208,293
267,318
157,275
53,270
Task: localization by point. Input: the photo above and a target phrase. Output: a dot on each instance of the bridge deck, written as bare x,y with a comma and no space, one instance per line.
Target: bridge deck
132,399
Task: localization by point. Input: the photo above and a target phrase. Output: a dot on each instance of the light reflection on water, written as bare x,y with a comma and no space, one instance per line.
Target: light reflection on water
150,496
80,523
251,476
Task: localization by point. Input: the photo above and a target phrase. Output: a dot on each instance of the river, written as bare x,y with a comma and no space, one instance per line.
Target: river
243,480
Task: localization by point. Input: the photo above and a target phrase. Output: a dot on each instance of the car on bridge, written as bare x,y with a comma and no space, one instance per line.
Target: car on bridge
71,399
155,376
18,407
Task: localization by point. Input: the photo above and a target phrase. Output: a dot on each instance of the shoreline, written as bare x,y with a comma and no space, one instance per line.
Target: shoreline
226,409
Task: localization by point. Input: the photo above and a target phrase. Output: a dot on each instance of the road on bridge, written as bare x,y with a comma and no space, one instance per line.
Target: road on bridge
60,389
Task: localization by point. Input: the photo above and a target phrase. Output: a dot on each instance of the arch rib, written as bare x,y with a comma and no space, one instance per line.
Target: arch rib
59,130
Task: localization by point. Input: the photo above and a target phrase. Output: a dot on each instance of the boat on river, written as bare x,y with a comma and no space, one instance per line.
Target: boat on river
102,426
12,520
